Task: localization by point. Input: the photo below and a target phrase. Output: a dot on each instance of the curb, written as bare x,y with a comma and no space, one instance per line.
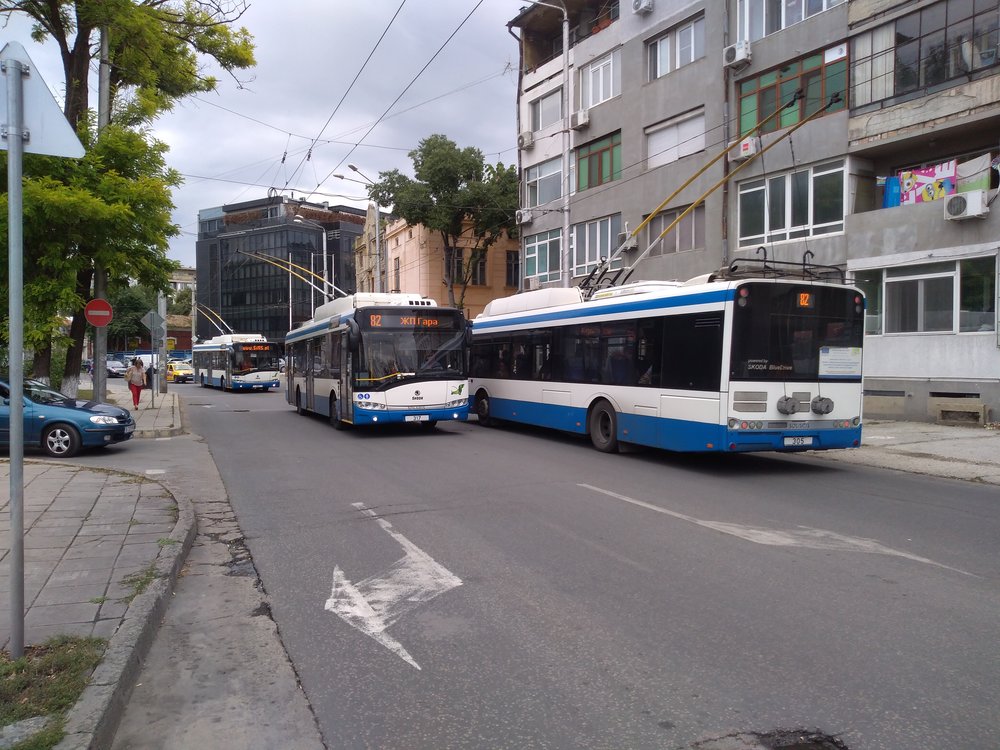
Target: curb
93,720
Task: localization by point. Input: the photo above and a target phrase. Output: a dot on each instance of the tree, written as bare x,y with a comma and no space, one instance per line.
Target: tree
181,303
469,203
155,51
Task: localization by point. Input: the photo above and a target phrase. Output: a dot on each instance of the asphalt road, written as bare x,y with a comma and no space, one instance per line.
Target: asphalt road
492,588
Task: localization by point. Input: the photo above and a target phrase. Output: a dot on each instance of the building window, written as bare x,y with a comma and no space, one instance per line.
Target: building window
546,110
601,80
793,205
599,162
512,278
453,263
395,274
593,240
541,255
819,76
922,298
676,48
668,141
943,42
688,234
477,263
757,18
543,182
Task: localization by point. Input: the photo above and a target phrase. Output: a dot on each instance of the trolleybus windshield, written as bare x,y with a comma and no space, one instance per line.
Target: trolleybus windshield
248,357
397,344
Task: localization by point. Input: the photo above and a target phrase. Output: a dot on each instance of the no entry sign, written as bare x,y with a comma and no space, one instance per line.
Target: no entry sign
98,312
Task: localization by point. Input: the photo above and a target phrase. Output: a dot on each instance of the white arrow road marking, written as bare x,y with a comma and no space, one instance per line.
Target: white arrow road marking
801,537
375,603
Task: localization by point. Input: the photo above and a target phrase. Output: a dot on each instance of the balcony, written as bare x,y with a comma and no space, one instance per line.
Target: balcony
541,28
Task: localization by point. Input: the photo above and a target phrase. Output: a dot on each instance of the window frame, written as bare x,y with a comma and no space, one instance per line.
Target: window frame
535,181
681,148
791,229
593,153
694,223
611,63
663,52
536,110
535,245
592,240
755,19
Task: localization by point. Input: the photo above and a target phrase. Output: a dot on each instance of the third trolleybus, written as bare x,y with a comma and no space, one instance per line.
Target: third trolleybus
753,357
379,358
237,362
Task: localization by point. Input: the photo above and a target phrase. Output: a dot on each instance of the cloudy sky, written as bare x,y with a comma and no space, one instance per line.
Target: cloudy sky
234,144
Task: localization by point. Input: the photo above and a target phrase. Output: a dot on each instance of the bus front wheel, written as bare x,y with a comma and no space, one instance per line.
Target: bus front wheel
603,426
335,420
483,409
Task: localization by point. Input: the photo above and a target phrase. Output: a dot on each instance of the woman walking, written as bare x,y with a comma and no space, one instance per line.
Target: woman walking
135,376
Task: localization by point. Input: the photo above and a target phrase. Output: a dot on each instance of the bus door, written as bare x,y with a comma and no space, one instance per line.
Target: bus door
346,392
314,355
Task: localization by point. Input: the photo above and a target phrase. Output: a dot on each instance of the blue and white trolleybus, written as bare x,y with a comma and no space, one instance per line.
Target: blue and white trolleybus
380,358
750,358
237,362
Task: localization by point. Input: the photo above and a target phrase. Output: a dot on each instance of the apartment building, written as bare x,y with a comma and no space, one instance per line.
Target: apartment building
864,137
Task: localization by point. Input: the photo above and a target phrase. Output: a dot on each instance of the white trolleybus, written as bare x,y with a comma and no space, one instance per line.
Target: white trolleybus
380,358
237,362
755,357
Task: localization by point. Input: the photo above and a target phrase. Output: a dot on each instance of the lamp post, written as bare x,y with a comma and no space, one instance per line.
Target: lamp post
378,223
327,283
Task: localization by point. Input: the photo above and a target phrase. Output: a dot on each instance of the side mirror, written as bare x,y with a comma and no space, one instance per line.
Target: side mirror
6,401
468,333
353,335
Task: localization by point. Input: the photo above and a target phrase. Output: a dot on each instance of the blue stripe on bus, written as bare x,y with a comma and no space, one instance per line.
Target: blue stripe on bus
672,434
703,298
368,417
326,325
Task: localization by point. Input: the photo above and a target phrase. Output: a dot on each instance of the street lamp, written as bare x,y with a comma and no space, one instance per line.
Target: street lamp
378,224
326,282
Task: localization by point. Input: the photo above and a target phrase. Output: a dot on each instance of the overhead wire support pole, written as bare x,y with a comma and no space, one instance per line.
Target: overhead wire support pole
605,265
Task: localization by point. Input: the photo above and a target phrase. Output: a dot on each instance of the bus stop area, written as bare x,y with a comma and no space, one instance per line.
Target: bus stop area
94,532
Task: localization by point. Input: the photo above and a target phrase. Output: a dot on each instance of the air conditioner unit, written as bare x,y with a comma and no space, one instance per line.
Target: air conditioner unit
524,216
526,140
736,54
579,120
971,205
630,243
642,6
749,146
530,283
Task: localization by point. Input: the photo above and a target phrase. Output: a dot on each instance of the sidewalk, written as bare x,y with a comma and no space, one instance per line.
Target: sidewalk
102,550
95,536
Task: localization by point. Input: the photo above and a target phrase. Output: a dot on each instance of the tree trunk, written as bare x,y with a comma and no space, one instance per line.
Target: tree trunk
77,330
41,366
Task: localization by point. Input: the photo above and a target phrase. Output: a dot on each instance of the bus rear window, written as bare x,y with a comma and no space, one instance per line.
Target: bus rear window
796,332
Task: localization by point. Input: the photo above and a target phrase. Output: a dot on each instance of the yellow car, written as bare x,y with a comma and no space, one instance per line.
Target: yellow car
179,372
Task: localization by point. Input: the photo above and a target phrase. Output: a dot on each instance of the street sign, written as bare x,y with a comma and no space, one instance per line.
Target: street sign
48,130
153,321
98,312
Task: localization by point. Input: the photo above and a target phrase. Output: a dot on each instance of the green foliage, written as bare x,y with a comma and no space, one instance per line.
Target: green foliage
48,679
130,304
180,303
469,203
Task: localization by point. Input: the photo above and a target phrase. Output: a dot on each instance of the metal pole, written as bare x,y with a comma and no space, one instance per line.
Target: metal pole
567,273
161,352
100,369
15,198
378,249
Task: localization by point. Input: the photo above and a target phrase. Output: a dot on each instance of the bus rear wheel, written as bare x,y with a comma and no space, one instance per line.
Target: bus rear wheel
335,420
603,427
483,409
299,408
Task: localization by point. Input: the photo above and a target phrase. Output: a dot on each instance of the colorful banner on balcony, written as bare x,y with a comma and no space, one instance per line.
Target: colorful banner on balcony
928,183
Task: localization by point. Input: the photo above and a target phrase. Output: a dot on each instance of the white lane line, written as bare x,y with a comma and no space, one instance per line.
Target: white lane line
803,536
375,603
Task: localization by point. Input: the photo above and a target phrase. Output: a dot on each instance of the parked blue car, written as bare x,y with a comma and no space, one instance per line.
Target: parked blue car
60,426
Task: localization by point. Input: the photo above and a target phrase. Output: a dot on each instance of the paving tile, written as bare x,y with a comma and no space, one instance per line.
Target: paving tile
79,594
106,529
94,548
90,563
37,634
40,538
66,577
61,614
106,628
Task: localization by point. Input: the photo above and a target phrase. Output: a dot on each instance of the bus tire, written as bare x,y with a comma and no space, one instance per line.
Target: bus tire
222,384
202,381
603,427
429,424
483,409
299,408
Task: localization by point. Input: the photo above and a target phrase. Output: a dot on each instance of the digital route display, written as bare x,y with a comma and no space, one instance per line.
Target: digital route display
409,319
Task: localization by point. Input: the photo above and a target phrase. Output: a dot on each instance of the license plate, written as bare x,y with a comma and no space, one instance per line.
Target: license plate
417,418
791,442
